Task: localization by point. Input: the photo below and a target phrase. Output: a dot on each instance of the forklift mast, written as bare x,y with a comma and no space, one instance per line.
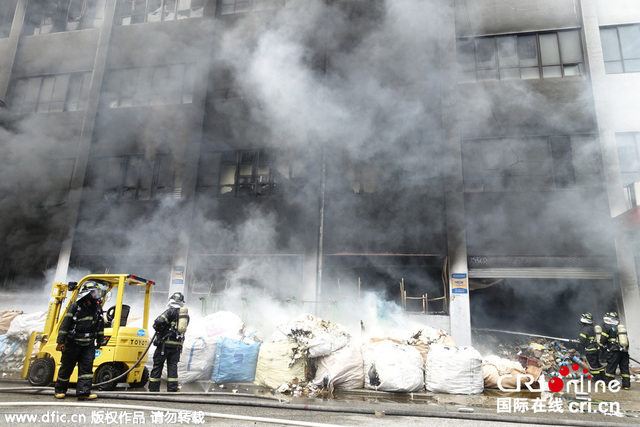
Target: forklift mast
58,293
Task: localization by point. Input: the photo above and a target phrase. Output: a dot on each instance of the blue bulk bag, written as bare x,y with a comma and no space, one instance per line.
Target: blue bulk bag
235,361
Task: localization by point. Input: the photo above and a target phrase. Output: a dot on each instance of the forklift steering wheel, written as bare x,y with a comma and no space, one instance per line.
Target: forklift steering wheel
111,313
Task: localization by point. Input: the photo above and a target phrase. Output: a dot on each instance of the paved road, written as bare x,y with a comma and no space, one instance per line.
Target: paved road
124,407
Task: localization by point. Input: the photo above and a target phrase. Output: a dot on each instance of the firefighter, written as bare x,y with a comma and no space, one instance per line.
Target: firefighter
590,347
81,333
170,328
616,345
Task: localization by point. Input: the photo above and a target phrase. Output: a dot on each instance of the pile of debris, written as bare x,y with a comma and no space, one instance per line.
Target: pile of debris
550,356
537,356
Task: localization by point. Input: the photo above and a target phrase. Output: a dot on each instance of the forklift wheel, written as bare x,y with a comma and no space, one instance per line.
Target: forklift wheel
143,381
105,373
41,372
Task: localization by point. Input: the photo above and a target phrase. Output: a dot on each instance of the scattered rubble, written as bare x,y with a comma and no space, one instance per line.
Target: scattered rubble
536,356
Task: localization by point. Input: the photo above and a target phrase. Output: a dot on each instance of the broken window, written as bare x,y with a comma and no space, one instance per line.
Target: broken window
521,57
58,175
525,164
621,48
53,16
52,93
161,85
7,10
225,85
140,11
249,173
135,177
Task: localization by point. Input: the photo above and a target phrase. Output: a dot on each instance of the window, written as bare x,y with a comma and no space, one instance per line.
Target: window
621,48
53,16
248,173
140,11
525,164
7,10
521,57
629,156
166,84
48,94
230,7
59,173
376,174
134,177
225,85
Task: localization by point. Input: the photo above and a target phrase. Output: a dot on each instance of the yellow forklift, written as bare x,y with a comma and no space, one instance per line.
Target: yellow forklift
124,349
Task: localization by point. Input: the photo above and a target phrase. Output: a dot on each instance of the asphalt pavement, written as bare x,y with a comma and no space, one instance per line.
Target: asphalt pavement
242,405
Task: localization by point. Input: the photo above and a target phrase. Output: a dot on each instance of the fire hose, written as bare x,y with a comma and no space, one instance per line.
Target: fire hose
109,381
526,334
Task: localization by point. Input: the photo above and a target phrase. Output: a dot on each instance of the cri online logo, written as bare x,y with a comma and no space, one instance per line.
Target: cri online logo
556,383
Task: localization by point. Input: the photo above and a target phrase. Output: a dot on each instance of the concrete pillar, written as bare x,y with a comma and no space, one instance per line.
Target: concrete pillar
459,309
314,243
12,48
178,271
186,171
608,120
630,310
84,143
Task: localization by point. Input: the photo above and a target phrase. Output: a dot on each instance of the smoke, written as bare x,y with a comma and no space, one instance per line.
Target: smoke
359,88
358,97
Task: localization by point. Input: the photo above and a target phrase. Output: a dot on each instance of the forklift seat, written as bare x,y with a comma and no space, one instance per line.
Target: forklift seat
124,315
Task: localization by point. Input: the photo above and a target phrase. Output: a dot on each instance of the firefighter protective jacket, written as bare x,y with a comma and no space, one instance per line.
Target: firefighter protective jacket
588,338
165,326
82,324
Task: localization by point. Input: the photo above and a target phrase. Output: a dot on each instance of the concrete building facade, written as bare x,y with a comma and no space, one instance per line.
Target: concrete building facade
472,161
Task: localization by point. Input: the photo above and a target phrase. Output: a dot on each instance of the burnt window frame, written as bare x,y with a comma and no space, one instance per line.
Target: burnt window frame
137,177
242,173
56,16
253,174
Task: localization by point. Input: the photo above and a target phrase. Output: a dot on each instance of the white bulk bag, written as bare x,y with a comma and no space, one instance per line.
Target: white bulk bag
22,325
342,369
393,367
454,370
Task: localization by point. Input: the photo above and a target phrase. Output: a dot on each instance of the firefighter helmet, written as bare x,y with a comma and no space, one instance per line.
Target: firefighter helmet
611,318
586,318
94,290
176,300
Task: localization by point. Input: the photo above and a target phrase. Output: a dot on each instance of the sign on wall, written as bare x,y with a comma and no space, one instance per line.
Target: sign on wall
459,283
